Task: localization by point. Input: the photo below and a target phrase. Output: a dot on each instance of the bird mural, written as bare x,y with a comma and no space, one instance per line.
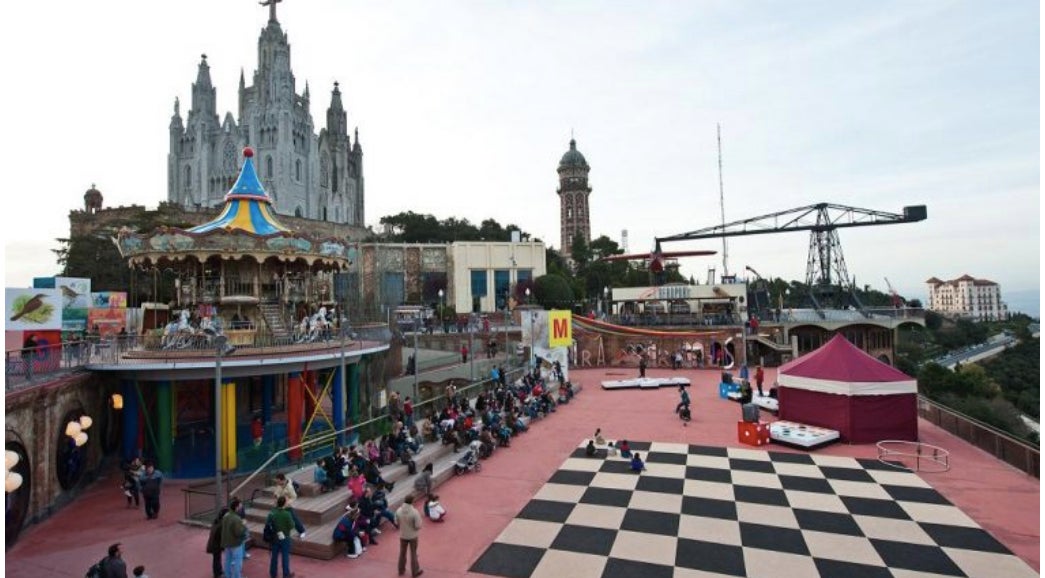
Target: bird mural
29,306
69,295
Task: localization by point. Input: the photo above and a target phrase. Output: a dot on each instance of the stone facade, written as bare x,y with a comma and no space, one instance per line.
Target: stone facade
111,219
573,199
35,420
309,175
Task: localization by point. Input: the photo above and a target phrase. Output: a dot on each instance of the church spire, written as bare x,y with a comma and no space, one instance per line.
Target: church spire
337,122
203,93
176,117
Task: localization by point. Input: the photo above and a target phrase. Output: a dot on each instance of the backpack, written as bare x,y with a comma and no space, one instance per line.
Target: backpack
269,532
297,487
99,569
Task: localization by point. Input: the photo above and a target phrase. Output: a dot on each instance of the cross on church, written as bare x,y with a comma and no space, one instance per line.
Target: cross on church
272,8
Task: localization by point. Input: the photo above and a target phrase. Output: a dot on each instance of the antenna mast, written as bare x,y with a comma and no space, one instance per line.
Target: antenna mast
722,204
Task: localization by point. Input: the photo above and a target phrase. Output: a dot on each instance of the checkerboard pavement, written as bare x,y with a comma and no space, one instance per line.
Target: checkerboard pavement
715,511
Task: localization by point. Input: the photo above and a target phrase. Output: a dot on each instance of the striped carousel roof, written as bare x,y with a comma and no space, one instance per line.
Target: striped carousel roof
247,206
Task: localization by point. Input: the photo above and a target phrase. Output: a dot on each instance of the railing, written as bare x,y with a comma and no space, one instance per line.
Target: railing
24,367
200,499
238,287
1002,445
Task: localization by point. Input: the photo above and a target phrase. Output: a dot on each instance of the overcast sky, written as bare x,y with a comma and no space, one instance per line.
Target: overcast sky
464,109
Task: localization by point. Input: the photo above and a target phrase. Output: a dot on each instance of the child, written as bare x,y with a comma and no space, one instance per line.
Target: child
599,440
625,450
589,450
320,477
139,572
636,463
611,450
434,510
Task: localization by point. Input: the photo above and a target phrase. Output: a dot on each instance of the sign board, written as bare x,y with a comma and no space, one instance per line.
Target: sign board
108,300
33,309
560,323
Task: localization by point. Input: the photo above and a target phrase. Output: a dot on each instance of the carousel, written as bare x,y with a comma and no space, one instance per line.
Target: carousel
243,274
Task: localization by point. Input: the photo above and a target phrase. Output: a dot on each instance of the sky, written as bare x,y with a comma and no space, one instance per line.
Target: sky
465,108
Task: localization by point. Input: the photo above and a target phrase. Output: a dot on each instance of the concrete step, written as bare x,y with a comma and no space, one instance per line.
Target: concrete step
319,541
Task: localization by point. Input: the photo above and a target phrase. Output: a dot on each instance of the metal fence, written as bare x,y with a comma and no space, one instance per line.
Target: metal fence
200,499
990,439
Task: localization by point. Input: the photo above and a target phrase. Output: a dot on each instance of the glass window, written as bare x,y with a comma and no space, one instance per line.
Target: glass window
524,275
478,283
501,284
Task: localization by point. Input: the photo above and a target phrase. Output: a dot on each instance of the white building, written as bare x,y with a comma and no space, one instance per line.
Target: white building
484,273
967,297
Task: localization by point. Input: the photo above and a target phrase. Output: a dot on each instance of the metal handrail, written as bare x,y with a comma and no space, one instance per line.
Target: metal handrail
1001,433
333,435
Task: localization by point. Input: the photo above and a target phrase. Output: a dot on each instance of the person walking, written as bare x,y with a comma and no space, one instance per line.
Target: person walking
760,375
214,543
464,353
131,486
409,521
115,567
151,481
642,365
280,519
233,532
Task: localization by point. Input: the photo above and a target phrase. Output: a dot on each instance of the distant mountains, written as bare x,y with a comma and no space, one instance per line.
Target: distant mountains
1027,301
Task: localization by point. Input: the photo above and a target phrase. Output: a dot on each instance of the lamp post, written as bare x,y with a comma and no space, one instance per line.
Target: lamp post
606,310
219,342
442,313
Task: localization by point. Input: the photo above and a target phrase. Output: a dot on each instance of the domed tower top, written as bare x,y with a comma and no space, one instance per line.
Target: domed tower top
573,157
573,199
92,200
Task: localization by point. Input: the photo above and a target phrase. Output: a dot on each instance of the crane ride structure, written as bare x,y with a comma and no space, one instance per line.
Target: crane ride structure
826,273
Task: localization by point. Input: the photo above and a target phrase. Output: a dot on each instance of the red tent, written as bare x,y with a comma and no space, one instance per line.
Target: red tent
841,387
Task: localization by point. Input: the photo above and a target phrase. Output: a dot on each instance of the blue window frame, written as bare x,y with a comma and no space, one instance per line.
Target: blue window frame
478,283
501,284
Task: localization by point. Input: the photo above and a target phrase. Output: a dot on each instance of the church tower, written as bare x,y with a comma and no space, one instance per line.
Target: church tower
573,199
307,175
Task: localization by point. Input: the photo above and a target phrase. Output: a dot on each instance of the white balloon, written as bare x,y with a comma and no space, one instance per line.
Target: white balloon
81,438
12,459
12,482
85,422
72,428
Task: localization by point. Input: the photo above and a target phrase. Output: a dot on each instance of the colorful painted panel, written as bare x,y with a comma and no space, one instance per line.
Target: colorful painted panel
109,322
76,292
108,300
33,309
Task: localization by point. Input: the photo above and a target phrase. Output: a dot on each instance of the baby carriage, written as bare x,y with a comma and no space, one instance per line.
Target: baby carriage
470,460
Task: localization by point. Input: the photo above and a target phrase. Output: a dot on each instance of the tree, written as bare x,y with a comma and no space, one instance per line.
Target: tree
553,292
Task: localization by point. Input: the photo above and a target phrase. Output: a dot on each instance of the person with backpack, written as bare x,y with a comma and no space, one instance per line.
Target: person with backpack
233,533
214,543
151,481
281,520
112,566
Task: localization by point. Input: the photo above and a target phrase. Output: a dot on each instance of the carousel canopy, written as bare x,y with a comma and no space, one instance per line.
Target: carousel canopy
247,206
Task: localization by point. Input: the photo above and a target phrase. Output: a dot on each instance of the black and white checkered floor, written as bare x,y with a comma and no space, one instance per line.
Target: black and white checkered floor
713,511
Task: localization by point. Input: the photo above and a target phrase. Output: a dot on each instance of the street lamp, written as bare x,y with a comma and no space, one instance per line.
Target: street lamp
606,301
527,295
221,344
442,313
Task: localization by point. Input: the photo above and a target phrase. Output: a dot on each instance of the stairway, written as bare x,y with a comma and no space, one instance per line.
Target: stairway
320,512
271,312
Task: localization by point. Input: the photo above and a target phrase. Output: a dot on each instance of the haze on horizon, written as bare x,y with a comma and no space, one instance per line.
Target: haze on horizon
464,110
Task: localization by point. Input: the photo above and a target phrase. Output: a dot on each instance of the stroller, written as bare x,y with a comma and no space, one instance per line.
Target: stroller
684,413
470,460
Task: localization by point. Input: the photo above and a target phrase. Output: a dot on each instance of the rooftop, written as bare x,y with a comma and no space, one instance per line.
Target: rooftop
998,498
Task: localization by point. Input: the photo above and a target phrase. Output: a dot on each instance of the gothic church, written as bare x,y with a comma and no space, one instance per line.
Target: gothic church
307,175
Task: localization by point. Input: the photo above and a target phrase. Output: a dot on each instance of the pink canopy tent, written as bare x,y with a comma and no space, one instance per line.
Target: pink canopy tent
841,387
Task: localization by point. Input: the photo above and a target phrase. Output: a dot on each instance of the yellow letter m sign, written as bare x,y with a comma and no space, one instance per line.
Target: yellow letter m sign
561,334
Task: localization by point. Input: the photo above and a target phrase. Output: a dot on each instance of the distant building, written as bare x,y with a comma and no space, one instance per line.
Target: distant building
573,199
307,175
967,297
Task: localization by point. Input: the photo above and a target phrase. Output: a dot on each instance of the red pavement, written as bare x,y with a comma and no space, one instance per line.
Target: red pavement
1001,499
